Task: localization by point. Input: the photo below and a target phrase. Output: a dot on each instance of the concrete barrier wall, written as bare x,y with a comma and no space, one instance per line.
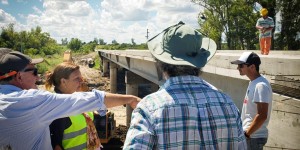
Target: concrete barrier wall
235,88
284,127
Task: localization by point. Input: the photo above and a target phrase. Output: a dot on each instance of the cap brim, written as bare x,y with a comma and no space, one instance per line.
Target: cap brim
156,49
37,60
237,62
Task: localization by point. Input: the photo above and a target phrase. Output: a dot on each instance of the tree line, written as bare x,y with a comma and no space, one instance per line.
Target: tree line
36,42
236,19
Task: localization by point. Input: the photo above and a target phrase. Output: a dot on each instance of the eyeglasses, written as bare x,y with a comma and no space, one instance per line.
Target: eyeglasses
35,71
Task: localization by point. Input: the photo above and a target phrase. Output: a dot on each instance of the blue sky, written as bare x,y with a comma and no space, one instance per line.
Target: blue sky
19,9
119,20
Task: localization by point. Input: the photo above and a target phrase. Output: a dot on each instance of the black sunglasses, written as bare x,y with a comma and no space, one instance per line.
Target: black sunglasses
35,71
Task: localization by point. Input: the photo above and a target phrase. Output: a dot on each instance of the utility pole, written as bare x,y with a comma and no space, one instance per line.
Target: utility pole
147,34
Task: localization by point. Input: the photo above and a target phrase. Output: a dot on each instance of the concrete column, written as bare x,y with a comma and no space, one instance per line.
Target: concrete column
105,67
131,89
132,81
154,87
113,77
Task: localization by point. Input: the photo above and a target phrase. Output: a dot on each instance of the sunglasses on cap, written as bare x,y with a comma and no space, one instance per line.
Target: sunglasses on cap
35,71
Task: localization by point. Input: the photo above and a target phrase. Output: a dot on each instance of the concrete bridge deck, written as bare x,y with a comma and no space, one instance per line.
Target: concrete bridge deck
282,69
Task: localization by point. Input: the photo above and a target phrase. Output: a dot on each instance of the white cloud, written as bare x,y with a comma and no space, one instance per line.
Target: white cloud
5,2
37,10
154,15
113,19
6,18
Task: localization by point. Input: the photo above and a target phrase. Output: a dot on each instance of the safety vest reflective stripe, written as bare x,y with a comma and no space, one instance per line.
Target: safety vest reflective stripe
82,146
74,142
74,134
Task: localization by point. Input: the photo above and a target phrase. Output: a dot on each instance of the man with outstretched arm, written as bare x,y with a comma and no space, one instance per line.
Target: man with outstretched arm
26,112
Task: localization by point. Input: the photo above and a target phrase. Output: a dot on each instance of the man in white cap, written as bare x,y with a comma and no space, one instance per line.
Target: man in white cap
26,113
187,112
257,102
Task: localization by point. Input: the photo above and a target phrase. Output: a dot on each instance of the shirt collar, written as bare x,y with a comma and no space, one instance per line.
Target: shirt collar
186,80
6,89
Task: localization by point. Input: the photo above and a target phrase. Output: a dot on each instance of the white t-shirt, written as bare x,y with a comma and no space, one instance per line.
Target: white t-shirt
259,91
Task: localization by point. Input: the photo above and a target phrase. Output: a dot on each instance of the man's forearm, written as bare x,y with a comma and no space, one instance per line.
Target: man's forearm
270,28
256,124
259,27
112,100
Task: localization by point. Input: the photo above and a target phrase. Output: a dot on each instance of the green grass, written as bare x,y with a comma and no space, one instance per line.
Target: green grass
97,63
49,63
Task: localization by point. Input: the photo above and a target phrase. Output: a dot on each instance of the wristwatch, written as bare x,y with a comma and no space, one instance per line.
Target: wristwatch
246,135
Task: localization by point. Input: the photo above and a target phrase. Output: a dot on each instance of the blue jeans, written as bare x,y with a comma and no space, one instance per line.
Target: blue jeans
256,143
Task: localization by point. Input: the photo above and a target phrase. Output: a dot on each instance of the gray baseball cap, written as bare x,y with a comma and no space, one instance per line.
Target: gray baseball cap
14,62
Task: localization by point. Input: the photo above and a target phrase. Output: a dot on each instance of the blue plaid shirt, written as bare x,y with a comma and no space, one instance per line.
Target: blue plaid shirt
186,113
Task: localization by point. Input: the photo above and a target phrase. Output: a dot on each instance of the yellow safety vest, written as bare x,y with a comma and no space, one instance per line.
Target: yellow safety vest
75,137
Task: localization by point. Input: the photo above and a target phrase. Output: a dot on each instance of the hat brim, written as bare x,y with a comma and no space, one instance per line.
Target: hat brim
37,60
237,62
199,60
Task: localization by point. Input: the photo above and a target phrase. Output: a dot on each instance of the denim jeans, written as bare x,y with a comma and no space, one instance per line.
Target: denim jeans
256,143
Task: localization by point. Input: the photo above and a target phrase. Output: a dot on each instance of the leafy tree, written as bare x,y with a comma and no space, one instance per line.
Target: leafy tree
96,40
8,36
33,42
31,51
290,21
132,41
114,42
75,44
86,48
233,18
237,21
101,42
64,41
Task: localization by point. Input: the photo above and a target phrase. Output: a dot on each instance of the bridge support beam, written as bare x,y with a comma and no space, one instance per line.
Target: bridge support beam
113,77
132,87
105,67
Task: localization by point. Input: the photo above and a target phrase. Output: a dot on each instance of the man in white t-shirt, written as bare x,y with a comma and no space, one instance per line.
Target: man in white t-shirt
257,102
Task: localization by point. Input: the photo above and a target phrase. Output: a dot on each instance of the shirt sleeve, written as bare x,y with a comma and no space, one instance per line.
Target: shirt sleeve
51,106
140,134
257,23
57,128
262,94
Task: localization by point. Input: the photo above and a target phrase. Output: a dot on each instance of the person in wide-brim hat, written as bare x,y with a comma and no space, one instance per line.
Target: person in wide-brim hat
182,45
186,107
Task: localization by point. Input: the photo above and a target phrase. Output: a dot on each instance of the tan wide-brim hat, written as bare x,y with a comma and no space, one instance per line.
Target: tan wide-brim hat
182,45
